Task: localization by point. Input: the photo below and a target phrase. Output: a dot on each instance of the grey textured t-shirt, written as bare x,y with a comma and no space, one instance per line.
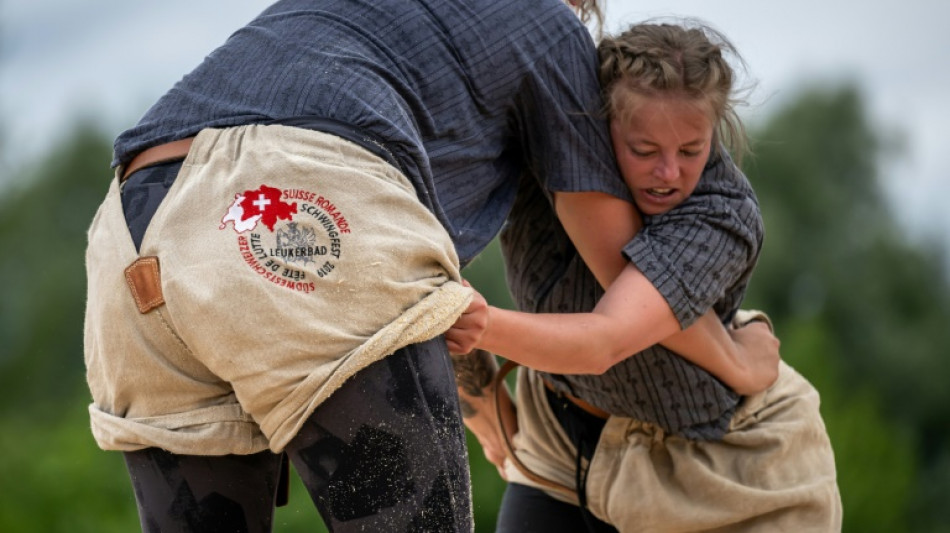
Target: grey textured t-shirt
700,255
466,96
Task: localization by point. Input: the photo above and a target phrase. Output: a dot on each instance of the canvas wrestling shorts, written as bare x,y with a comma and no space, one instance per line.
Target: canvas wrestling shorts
281,262
773,471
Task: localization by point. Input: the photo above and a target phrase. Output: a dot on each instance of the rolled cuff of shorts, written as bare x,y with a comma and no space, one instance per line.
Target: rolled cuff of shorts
423,321
216,430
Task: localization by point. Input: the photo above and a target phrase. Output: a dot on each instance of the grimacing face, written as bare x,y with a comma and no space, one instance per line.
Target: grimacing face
661,150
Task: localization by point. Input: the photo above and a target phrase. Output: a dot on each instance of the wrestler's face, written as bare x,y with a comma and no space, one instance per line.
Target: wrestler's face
662,146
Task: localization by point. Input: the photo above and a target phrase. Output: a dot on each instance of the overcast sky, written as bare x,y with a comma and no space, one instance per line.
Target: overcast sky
110,59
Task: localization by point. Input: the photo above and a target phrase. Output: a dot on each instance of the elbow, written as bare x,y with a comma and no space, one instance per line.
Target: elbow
601,363
602,354
608,348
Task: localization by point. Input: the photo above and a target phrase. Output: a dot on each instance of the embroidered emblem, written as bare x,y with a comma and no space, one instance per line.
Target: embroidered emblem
296,244
290,237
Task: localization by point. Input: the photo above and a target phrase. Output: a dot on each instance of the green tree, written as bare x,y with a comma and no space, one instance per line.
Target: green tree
859,308
43,222
51,474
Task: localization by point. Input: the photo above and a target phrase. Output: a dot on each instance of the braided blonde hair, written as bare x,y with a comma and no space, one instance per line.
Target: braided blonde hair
680,60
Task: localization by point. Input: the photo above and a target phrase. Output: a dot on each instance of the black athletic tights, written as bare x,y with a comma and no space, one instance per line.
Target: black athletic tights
526,509
385,453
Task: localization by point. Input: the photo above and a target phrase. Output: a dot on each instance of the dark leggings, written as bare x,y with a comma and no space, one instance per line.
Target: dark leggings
529,510
386,452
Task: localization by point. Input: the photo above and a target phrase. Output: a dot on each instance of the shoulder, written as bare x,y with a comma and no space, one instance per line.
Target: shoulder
722,213
725,193
723,177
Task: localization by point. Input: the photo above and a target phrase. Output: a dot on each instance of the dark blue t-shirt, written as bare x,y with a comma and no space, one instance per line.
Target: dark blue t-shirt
468,96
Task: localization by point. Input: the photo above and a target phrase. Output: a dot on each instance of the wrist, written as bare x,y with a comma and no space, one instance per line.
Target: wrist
736,373
744,376
488,339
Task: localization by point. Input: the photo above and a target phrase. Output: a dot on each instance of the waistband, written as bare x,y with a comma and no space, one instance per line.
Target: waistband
178,149
583,405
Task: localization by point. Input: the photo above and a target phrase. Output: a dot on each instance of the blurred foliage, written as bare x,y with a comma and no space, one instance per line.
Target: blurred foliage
861,310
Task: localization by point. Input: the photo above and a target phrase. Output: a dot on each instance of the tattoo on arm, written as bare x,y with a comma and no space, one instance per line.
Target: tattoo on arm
468,410
474,371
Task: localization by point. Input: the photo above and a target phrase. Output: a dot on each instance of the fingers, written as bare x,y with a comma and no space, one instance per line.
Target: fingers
460,342
755,329
496,458
464,335
456,348
764,329
478,302
501,472
761,356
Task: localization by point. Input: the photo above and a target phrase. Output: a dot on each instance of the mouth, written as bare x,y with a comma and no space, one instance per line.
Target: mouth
657,192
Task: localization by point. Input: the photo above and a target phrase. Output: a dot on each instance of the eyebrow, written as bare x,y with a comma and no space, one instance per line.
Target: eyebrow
690,143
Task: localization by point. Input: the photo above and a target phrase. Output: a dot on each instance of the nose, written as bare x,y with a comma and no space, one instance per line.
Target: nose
667,168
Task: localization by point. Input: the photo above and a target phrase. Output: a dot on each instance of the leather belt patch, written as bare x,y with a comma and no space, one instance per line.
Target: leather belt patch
145,282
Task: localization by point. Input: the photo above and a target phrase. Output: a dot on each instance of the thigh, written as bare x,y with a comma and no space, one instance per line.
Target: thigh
189,493
529,510
386,452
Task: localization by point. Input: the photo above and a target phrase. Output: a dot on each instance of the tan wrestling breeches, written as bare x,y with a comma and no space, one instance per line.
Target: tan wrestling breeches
773,471
285,261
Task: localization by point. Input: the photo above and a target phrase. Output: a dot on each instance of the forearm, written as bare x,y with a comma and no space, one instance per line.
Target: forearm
630,317
708,345
474,372
548,342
